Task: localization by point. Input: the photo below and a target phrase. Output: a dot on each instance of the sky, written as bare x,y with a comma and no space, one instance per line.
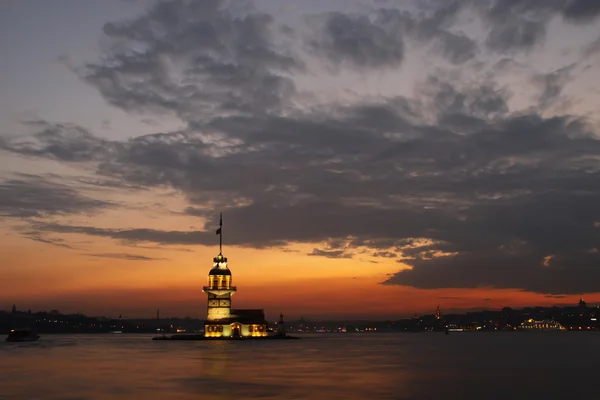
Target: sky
372,159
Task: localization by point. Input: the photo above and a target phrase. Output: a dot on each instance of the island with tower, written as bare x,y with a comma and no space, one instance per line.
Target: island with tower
223,322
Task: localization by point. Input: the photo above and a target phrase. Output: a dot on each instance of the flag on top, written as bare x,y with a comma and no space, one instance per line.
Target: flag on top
220,224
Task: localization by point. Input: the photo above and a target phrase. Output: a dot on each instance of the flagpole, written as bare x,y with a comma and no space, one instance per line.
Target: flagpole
221,234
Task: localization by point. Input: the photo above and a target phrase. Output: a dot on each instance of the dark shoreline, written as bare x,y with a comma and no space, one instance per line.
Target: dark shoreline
202,337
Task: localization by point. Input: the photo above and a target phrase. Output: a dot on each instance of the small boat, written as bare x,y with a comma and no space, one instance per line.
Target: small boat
22,335
116,332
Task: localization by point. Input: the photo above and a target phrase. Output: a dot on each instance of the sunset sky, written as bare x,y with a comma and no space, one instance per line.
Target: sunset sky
372,159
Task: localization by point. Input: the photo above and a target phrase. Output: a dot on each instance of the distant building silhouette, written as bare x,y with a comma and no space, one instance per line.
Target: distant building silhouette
543,325
281,326
14,308
582,303
438,313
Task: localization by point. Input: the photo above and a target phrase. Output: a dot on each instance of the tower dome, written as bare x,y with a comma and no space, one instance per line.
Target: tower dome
220,266
219,271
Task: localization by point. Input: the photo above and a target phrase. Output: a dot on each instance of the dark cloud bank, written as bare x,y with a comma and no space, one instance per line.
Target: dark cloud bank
477,197
32,196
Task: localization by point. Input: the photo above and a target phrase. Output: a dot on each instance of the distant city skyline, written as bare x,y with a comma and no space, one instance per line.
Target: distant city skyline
572,317
371,158
297,317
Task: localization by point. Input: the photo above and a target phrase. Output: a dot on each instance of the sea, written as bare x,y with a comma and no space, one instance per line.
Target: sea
478,365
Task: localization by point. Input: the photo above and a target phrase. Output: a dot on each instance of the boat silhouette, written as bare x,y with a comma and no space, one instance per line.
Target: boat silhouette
22,335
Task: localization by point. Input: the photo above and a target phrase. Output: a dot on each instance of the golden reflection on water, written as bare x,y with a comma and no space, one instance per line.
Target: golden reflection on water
298,369
336,366
131,367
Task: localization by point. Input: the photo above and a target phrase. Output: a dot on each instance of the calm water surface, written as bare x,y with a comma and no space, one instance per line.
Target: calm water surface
554,365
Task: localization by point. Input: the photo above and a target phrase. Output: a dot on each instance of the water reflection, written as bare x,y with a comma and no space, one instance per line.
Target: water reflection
307,369
321,367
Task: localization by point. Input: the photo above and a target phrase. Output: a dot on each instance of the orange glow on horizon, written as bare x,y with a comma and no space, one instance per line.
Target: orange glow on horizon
45,277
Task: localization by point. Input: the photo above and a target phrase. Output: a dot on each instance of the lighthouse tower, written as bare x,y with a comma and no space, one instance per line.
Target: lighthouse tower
219,288
221,321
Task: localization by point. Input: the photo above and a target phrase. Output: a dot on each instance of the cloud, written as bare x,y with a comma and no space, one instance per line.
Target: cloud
377,177
139,245
457,48
592,49
553,83
124,256
36,197
385,254
467,106
465,189
330,253
522,24
518,33
436,26
128,235
37,237
63,142
581,10
378,40
356,41
193,59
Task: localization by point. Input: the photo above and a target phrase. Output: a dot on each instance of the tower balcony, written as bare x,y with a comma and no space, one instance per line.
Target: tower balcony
219,289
